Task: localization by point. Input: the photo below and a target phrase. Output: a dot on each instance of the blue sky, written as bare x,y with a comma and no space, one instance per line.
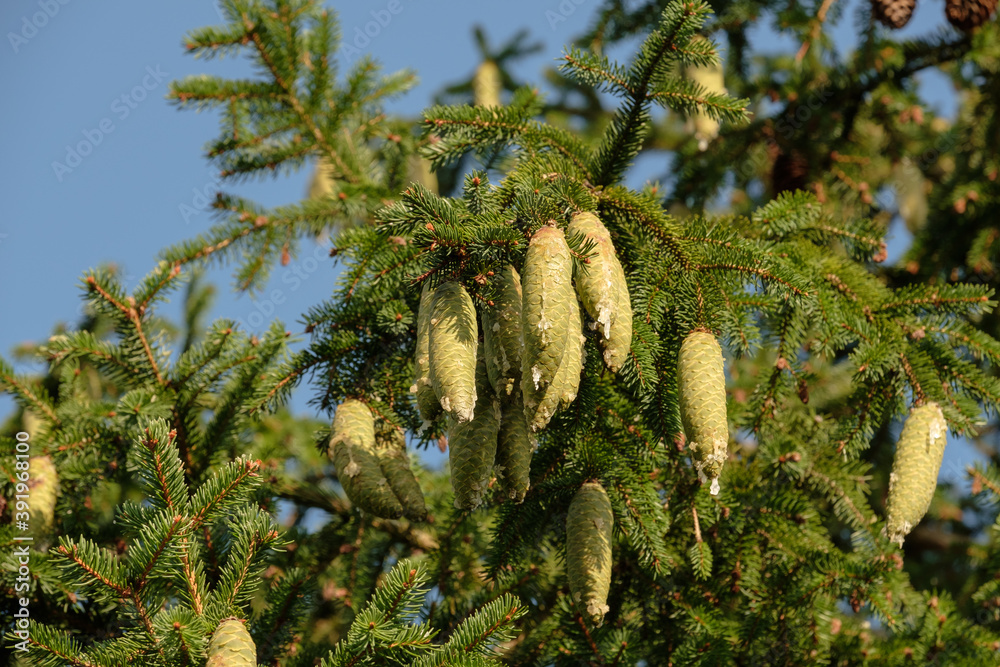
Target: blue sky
97,73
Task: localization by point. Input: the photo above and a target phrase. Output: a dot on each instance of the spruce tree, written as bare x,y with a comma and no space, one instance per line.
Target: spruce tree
672,413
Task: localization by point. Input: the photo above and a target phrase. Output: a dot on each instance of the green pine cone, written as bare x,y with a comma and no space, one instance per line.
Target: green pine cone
427,401
604,292
515,446
487,85
915,469
395,466
701,382
231,646
546,321
562,392
502,336
472,445
588,550
43,482
453,342
352,448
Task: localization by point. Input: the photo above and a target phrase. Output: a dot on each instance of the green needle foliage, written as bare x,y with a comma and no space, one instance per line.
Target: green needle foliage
187,495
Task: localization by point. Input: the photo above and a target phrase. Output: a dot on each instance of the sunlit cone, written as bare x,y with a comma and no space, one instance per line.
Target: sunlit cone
701,383
395,464
515,446
352,448
427,401
231,646
967,15
565,385
712,80
454,338
502,335
472,445
604,292
915,469
43,484
588,550
911,195
893,13
487,85
547,304
321,181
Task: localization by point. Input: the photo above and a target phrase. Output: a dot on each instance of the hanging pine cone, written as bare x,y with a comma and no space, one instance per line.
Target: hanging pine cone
790,172
701,383
453,341
427,401
893,13
472,445
502,335
352,448
395,464
43,483
915,469
588,550
550,314
515,446
487,84
231,646
604,292
967,15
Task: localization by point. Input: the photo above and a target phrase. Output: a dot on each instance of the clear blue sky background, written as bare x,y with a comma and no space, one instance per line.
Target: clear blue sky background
122,203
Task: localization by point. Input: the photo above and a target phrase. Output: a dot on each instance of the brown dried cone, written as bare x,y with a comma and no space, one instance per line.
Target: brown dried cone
352,448
472,445
515,446
701,383
967,15
231,646
486,85
915,469
790,172
395,464
453,340
502,335
547,322
604,292
43,485
427,401
588,551
893,13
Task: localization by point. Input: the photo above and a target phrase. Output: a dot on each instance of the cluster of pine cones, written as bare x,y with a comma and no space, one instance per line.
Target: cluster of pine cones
966,15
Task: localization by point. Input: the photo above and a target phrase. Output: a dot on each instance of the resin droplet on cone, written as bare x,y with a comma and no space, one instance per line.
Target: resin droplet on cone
701,382
915,468
588,550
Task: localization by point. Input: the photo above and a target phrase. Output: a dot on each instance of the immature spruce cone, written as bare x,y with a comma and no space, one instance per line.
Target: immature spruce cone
588,550
395,464
472,445
893,13
967,15
712,79
515,445
701,382
43,484
604,292
453,339
547,322
427,400
915,469
231,646
487,84
352,448
790,172
502,335
321,181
